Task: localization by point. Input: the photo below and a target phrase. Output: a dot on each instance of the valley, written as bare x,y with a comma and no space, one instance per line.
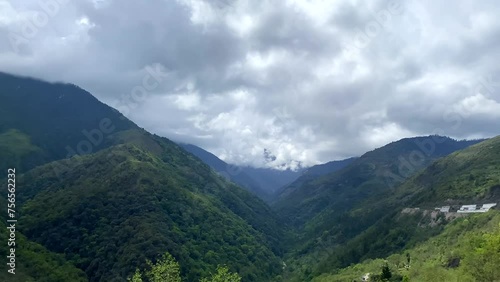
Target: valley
101,199
249,141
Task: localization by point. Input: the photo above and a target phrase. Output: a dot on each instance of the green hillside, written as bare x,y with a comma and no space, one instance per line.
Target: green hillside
371,175
121,206
467,250
330,211
15,148
130,196
311,174
52,121
34,262
100,199
233,173
469,176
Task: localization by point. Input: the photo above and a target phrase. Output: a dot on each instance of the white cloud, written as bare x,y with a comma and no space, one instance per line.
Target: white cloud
281,76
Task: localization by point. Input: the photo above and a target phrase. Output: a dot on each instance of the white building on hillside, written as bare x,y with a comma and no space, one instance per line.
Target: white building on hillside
445,209
474,208
487,207
468,208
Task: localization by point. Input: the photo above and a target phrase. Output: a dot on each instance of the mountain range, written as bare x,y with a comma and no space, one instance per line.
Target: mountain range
260,181
105,195
98,197
267,183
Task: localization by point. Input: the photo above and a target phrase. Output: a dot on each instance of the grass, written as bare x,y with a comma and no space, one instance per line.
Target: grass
14,142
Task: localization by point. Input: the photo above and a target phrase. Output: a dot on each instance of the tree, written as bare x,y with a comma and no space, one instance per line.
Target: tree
166,269
223,275
386,273
137,276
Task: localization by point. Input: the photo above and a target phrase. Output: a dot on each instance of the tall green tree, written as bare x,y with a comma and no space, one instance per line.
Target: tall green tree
166,269
223,275
386,272
137,277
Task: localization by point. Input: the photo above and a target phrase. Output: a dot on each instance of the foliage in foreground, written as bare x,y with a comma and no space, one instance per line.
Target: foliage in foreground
167,269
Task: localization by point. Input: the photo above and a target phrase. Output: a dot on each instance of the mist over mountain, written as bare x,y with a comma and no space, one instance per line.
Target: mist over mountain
249,141
119,195
263,182
110,198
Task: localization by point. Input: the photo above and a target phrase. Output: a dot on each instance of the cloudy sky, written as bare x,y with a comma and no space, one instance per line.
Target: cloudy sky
271,83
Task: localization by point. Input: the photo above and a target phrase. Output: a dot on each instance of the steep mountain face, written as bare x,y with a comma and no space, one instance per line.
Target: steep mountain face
126,195
115,208
97,196
231,172
263,182
312,173
331,210
327,168
42,122
371,175
469,176
272,179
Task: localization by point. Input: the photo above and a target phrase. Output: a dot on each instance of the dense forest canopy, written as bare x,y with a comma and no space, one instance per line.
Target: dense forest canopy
136,206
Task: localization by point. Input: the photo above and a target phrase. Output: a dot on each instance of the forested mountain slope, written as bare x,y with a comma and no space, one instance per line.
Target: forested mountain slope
272,179
97,197
467,250
312,173
126,195
33,261
368,176
264,182
330,211
468,176
116,208
232,172
41,122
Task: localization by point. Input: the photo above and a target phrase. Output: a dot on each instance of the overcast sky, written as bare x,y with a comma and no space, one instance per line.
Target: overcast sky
271,83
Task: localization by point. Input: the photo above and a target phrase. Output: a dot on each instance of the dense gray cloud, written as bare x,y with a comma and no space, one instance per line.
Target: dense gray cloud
271,83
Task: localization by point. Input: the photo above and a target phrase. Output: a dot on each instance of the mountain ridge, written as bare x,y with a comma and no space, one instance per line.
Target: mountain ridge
107,177
261,181
332,210
101,202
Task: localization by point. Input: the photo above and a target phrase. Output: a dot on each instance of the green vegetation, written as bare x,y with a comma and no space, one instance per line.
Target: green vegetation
36,263
467,250
55,116
166,269
223,275
15,149
395,231
349,215
109,213
128,198
466,176
123,205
